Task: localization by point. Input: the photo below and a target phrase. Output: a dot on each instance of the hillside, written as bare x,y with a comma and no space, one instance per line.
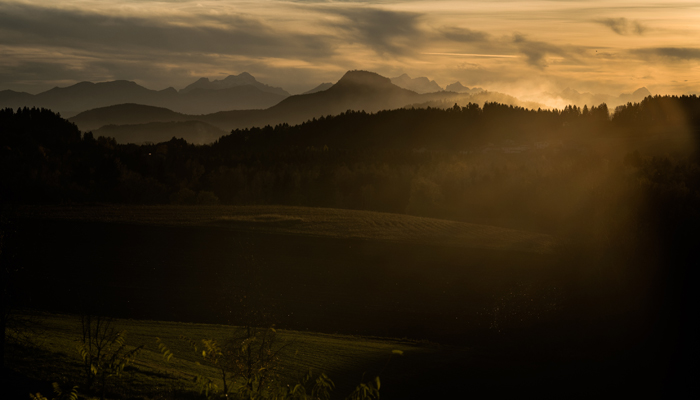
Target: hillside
434,277
319,88
195,132
125,114
308,221
242,97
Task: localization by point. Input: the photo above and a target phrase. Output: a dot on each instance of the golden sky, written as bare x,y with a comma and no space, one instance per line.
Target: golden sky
524,48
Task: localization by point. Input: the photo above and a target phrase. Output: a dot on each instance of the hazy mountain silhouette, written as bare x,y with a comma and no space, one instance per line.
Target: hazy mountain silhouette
356,90
634,97
479,98
126,114
244,97
571,96
418,85
319,88
8,98
195,132
242,79
84,96
459,88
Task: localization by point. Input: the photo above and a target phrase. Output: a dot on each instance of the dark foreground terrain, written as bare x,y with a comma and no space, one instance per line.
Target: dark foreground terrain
548,252
229,272
502,320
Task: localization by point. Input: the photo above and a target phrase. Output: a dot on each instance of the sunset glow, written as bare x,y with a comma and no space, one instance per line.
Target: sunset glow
524,48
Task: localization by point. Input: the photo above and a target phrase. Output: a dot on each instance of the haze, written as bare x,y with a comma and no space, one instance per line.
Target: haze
523,48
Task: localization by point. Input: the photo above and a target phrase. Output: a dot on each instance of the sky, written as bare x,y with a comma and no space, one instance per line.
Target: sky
524,48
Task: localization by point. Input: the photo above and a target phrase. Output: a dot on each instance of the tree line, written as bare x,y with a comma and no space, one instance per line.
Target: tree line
497,163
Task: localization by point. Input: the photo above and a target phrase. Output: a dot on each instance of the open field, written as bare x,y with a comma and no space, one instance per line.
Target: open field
306,221
305,269
346,359
470,305
424,370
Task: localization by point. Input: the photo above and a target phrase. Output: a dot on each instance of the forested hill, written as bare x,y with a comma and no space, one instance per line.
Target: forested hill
493,164
464,128
455,129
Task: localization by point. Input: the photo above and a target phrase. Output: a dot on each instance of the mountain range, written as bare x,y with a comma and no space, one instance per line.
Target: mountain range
424,85
571,96
459,88
128,111
356,90
231,81
419,85
236,92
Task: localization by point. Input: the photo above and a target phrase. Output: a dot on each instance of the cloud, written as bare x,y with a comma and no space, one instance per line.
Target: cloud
298,44
536,51
668,53
482,43
169,48
386,32
463,35
22,24
47,73
623,26
43,73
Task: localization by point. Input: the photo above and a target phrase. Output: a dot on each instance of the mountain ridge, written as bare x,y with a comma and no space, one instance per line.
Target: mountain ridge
572,96
459,88
320,88
82,96
356,90
230,81
420,85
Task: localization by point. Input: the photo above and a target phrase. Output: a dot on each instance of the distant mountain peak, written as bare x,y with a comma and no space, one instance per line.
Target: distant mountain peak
419,85
363,78
642,91
570,92
241,78
169,90
230,81
121,82
455,87
459,88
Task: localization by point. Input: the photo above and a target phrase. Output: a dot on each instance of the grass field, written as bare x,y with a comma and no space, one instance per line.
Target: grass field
307,269
348,360
306,221
391,281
